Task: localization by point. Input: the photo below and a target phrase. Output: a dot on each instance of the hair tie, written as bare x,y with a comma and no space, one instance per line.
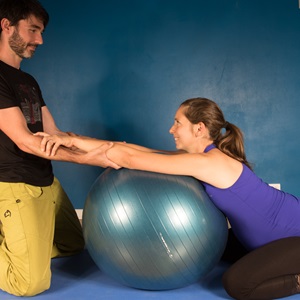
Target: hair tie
225,124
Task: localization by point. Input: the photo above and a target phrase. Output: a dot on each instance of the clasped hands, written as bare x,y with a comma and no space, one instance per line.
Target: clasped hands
96,156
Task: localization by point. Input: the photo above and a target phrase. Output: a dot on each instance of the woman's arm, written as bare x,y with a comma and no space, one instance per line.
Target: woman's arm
134,158
213,167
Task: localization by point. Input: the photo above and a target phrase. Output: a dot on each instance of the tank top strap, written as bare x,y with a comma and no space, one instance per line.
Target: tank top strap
209,147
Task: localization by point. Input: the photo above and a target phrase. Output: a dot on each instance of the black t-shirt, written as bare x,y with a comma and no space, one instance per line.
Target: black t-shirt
19,89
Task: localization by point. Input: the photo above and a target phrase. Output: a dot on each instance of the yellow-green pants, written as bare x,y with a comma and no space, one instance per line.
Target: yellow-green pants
36,223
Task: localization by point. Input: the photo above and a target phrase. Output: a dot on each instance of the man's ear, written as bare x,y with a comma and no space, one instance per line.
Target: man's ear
5,25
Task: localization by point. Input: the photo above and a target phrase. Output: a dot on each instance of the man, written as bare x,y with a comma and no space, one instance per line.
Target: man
37,220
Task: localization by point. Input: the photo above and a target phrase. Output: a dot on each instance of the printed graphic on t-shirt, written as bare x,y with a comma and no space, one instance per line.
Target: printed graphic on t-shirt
30,103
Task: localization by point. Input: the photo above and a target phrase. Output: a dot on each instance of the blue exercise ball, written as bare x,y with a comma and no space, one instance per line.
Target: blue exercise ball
152,231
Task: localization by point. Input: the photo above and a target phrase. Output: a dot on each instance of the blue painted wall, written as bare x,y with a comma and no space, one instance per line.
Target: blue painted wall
118,69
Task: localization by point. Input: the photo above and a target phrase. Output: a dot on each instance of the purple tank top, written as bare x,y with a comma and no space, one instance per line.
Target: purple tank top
257,212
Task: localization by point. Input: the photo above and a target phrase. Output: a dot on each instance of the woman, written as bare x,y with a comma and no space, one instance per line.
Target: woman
265,221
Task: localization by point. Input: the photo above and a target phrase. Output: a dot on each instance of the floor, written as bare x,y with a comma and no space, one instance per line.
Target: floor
78,277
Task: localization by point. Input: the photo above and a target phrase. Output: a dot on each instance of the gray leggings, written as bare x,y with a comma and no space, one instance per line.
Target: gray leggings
265,273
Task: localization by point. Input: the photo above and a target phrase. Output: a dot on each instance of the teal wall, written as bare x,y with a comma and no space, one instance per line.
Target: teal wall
118,69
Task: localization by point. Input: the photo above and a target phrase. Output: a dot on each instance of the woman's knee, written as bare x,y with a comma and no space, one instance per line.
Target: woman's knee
235,284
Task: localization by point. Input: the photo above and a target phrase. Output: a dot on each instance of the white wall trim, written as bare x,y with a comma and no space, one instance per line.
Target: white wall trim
79,213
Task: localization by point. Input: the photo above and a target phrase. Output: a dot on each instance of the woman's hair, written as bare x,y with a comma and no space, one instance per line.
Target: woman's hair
16,10
230,142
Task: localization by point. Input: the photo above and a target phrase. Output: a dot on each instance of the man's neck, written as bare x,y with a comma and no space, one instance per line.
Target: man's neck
10,58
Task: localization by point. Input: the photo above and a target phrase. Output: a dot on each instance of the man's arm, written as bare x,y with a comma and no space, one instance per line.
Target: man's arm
13,124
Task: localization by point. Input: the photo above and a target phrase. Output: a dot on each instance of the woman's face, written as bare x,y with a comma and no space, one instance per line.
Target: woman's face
184,132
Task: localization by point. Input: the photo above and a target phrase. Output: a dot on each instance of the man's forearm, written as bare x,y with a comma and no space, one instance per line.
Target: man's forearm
33,147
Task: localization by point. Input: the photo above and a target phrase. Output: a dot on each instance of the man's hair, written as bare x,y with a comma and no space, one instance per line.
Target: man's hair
16,10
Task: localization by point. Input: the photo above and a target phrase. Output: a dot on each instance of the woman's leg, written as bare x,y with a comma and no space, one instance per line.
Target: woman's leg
268,272
234,249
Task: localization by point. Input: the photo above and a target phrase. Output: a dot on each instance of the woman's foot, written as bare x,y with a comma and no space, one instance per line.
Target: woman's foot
298,283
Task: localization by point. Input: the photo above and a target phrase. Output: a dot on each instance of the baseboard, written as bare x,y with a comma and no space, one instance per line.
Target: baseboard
79,213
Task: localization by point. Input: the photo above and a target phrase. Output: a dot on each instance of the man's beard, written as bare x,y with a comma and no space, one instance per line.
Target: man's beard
19,46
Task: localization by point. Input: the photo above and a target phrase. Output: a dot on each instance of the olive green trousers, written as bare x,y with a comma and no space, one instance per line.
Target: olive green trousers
36,224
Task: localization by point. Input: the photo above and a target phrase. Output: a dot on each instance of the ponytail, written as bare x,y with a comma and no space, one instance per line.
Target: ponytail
232,143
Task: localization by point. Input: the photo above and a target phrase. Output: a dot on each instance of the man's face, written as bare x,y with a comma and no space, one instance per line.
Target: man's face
27,36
